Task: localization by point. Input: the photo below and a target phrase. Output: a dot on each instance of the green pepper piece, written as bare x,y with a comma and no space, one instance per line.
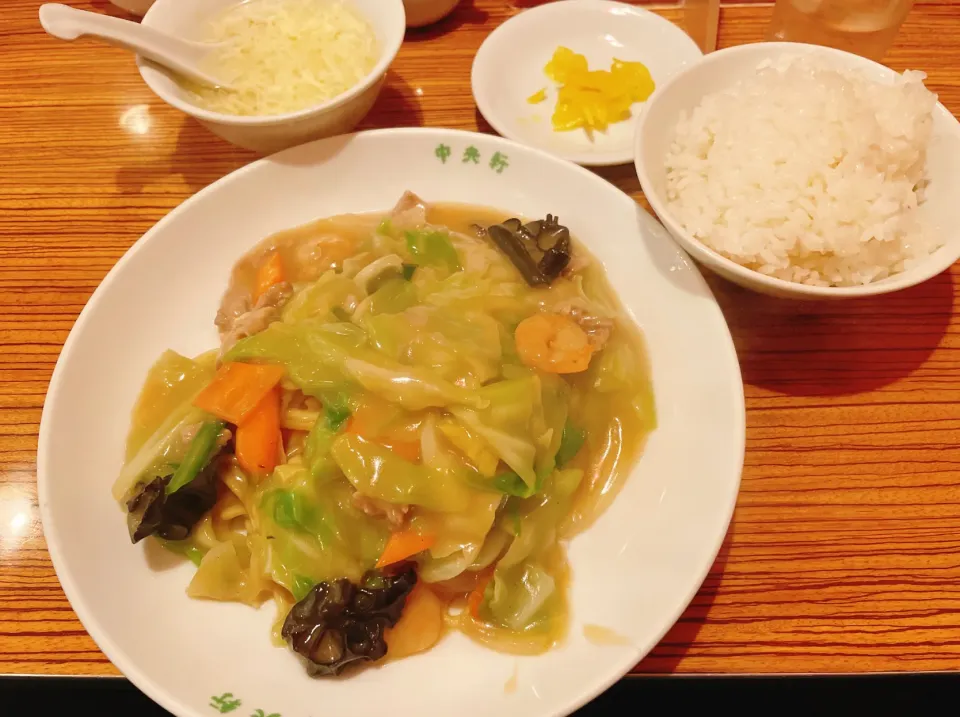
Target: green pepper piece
433,247
199,453
570,444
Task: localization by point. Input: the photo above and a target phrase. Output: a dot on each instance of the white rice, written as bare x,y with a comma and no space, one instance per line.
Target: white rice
807,174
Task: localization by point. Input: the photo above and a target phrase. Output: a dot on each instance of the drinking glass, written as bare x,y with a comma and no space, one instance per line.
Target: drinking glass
700,19
864,27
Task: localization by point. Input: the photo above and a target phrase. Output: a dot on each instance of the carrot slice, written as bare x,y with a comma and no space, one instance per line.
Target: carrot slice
365,421
258,436
270,272
408,450
404,544
475,599
237,389
420,626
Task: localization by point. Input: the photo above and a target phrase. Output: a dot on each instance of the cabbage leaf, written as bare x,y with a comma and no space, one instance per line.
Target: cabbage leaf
164,409
320,357
377,472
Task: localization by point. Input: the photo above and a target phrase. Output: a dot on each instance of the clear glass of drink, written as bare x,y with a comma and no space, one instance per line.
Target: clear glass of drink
700,19
864,27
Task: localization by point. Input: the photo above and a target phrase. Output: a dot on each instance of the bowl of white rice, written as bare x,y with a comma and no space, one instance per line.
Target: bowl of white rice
297,70
803,171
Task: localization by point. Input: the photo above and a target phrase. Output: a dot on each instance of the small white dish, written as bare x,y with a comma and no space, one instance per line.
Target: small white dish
721,70
633,571
272,133
508,68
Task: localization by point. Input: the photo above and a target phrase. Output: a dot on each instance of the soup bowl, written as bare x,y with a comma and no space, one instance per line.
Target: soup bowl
270,133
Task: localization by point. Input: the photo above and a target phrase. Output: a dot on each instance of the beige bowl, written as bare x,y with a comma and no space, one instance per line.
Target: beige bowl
272,133
426,12
136,7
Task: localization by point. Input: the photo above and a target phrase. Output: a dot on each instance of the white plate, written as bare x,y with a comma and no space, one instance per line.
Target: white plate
508,68
634,571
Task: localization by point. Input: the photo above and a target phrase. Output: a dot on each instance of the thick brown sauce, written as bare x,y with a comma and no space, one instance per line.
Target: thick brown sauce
616,434
604,636
510,686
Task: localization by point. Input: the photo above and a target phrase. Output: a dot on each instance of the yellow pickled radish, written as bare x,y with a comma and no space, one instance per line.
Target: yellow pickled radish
564,64
594,99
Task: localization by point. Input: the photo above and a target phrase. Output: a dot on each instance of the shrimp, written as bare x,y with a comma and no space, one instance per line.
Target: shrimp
553,343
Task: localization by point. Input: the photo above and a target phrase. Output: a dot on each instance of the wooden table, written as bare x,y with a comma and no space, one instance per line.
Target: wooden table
844,553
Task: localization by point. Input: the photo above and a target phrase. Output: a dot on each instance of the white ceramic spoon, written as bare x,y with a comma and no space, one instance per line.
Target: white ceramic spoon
174,53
